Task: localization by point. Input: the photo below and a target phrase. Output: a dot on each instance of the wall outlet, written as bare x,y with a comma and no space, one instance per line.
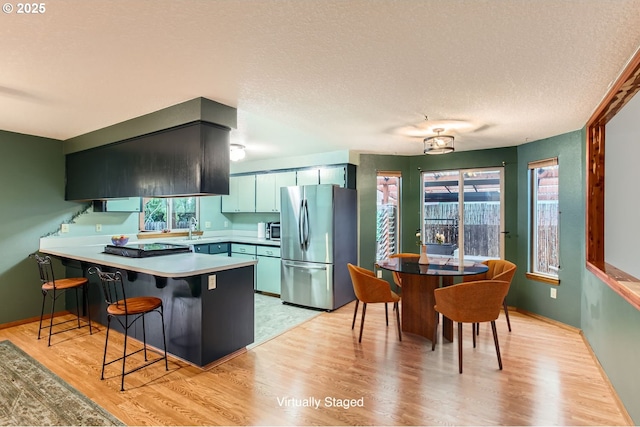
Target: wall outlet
64,228
379,274
554,293
212,282
207,224
226,224
98,227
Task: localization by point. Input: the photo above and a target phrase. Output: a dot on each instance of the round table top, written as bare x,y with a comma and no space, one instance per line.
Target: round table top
438,266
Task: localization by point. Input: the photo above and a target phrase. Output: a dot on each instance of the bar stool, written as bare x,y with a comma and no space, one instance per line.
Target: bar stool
56,288
131,309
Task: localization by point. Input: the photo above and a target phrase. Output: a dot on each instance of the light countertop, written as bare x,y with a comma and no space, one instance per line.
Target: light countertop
91,249
174,265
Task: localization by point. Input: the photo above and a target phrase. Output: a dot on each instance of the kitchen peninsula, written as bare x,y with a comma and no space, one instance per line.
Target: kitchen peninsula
208,301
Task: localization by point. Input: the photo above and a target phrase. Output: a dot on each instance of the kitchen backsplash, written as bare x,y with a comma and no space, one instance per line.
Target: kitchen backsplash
90,223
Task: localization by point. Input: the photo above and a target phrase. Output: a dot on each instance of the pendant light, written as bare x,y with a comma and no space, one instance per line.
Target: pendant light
439,144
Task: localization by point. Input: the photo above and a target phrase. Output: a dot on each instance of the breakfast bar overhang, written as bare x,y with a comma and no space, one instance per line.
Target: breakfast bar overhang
208,301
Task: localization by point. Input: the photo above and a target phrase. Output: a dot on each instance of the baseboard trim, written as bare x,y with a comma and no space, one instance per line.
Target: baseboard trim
548,320
32,319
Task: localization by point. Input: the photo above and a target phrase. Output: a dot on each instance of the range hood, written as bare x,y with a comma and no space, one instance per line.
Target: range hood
190,159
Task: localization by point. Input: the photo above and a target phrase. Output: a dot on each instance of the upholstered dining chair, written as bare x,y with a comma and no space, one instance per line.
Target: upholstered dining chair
499,269
55,288
369,289
471,302
127,311
396,276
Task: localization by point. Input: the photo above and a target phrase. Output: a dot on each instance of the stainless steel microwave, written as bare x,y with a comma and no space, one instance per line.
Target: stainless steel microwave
273,231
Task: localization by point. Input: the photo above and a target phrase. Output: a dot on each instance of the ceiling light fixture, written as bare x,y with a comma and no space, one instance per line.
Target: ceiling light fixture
439,144
236,152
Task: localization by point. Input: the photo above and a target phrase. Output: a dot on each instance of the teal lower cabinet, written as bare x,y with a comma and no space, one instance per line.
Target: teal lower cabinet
221,249
201,249
268,269
242,251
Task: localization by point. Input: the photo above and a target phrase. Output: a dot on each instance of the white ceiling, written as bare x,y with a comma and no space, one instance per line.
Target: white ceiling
317,76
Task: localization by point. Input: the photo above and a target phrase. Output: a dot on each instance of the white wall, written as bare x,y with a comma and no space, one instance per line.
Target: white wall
622,195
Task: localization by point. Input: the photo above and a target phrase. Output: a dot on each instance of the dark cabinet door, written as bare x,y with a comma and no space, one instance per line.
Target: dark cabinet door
185,160
219,248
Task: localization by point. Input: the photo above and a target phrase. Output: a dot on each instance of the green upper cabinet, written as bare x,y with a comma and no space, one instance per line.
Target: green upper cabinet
336,175
308,176
260,191
340,175
242,194
268,189
129,204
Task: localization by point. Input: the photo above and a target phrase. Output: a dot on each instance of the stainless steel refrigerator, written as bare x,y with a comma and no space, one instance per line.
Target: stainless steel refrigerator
318,239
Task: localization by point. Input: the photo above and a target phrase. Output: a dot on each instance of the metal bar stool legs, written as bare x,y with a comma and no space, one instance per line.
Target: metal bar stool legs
127,311
57,288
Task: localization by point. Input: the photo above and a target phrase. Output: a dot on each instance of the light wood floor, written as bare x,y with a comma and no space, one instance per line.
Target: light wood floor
549,378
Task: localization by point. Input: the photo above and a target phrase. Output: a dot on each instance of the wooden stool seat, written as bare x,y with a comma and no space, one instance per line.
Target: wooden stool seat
72,282
135,305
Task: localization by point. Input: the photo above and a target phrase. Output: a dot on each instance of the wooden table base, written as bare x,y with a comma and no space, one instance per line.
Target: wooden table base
418,314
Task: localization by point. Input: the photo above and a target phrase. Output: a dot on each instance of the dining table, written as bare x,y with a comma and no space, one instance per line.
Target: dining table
419,281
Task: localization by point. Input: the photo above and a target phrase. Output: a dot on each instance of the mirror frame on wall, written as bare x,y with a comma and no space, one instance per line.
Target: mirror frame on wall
625,87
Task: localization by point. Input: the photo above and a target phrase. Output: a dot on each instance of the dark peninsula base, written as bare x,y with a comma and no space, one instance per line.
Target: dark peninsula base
202,324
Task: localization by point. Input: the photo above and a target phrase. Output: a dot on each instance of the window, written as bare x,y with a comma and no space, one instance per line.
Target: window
544,219
387,214
169,213
462,213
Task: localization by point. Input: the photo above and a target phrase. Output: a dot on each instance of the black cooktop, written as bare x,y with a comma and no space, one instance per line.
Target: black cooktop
143,250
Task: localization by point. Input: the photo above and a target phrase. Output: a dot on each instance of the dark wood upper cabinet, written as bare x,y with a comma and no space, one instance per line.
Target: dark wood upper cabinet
191,159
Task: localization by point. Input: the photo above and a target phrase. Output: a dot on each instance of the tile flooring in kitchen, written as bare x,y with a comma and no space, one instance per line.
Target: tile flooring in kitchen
272,317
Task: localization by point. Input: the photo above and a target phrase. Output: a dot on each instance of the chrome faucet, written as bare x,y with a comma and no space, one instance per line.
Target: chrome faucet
192,226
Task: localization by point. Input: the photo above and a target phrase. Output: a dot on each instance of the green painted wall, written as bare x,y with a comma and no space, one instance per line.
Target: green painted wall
32,183
534,296
612,327
609,323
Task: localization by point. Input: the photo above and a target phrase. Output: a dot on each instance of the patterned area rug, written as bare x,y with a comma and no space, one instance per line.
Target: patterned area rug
31,394
273,318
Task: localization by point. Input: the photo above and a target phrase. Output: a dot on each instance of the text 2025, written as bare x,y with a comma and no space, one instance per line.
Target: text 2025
31,8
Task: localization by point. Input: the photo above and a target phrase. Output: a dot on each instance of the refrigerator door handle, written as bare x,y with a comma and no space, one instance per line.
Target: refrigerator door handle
300,221
306,225
303,265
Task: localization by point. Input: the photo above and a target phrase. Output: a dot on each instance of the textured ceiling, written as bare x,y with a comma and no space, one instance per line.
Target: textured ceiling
317,76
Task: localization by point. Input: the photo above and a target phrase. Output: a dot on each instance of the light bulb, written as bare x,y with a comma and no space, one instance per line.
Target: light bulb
237,152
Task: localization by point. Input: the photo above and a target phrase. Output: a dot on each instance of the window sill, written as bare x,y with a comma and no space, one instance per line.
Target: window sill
541,278
155,235
625,285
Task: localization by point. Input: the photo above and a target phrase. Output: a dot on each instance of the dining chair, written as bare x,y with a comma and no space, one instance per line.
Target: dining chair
56,288
369,289
471,302
396,276
499,269
127,311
